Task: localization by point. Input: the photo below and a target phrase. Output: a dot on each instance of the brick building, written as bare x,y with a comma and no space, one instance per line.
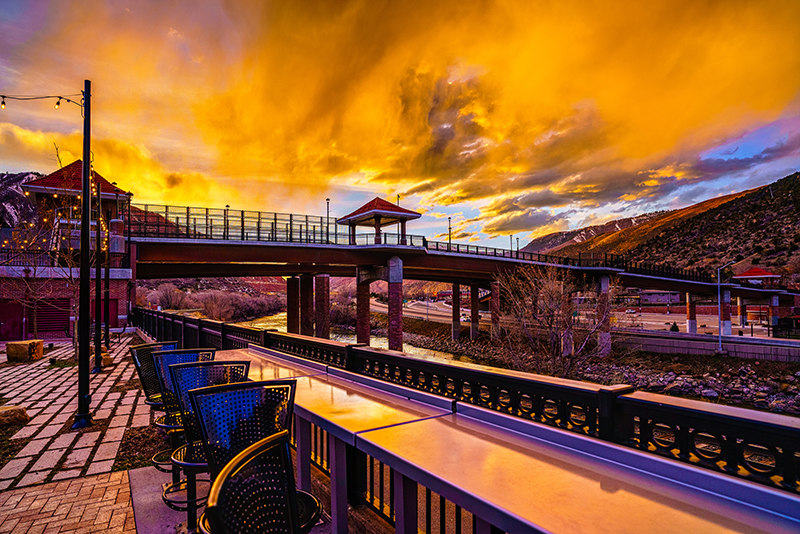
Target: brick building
40,258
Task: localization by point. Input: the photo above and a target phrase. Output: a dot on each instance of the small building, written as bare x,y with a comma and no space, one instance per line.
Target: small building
40,258
758,276
376,214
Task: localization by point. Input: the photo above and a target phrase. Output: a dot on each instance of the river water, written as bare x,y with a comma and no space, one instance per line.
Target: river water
278,322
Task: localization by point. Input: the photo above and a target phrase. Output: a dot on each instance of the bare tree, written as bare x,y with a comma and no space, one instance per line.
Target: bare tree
551,320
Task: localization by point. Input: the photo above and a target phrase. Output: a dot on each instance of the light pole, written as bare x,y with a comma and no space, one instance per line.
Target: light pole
328,221
517,247
719,303
82,417
449,235
511,246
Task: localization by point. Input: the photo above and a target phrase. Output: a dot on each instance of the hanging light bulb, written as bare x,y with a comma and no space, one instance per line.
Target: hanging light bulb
57,103
3,104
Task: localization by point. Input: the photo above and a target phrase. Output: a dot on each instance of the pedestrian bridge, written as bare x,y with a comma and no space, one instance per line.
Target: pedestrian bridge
171,241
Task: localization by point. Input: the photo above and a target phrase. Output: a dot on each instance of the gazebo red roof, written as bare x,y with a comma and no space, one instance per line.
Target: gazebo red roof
389,213
756,272
70,178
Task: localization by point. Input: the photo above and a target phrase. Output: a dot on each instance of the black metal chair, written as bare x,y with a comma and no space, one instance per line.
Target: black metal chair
142,356
256,492
190,458
171,421
234,417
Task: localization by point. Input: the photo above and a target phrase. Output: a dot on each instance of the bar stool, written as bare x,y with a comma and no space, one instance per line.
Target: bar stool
190,458
234,417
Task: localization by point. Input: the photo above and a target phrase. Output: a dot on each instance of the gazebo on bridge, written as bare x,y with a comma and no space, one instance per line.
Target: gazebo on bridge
378,213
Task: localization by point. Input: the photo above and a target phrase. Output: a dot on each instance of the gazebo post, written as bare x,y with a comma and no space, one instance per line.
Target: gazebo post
377,230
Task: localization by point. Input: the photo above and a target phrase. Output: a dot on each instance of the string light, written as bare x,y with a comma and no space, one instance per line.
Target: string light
57,104
44,97
3,105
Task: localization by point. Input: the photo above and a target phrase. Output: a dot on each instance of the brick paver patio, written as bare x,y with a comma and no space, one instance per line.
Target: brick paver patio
61,481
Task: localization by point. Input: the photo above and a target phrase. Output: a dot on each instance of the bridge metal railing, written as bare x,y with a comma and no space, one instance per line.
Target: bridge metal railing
243,225
758,446
50,258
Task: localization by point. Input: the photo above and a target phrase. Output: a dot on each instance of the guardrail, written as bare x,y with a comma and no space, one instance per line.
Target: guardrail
754,445
46,258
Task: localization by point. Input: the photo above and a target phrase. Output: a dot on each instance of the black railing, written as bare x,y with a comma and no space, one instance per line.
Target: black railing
758,446
56,259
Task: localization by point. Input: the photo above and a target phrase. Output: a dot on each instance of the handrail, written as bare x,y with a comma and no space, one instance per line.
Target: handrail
56,259
761,447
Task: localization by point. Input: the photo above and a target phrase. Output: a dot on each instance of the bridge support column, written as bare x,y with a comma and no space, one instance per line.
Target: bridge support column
741,311
474,316
307,305
293,305
726,312
362,312
604,316
456,333
495,307
773,310
322,300
691,314
395,275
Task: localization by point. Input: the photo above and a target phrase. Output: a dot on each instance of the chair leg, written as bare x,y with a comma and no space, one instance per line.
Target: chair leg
191,498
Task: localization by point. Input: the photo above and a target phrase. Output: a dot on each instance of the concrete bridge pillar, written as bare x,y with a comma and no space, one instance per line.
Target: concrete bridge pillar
322,300
456,333
293,305
495,307
726,312
474,316
395,279
307,305
741,311
773,310
691,314
362,312
604,316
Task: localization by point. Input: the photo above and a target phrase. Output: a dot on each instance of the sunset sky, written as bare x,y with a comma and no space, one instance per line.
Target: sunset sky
512,117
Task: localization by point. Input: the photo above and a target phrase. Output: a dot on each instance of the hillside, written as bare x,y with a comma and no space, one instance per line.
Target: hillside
759,227
755,227
623,241
551,243
14,206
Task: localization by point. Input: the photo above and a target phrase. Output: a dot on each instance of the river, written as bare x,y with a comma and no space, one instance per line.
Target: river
278,322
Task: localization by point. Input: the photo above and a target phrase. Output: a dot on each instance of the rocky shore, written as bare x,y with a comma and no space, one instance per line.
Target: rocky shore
736,382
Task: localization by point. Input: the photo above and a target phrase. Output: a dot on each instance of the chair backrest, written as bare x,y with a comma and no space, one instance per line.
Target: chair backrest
233,417
163,359
256,491
142,356
188,376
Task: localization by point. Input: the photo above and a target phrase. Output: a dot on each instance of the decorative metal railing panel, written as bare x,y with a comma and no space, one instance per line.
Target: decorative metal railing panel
757,446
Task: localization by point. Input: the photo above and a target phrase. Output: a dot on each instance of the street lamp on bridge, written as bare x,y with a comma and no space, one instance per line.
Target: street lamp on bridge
719,302
449,235
328,220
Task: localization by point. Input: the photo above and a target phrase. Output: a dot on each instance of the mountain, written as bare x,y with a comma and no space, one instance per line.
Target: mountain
755,227
14,205
550,243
